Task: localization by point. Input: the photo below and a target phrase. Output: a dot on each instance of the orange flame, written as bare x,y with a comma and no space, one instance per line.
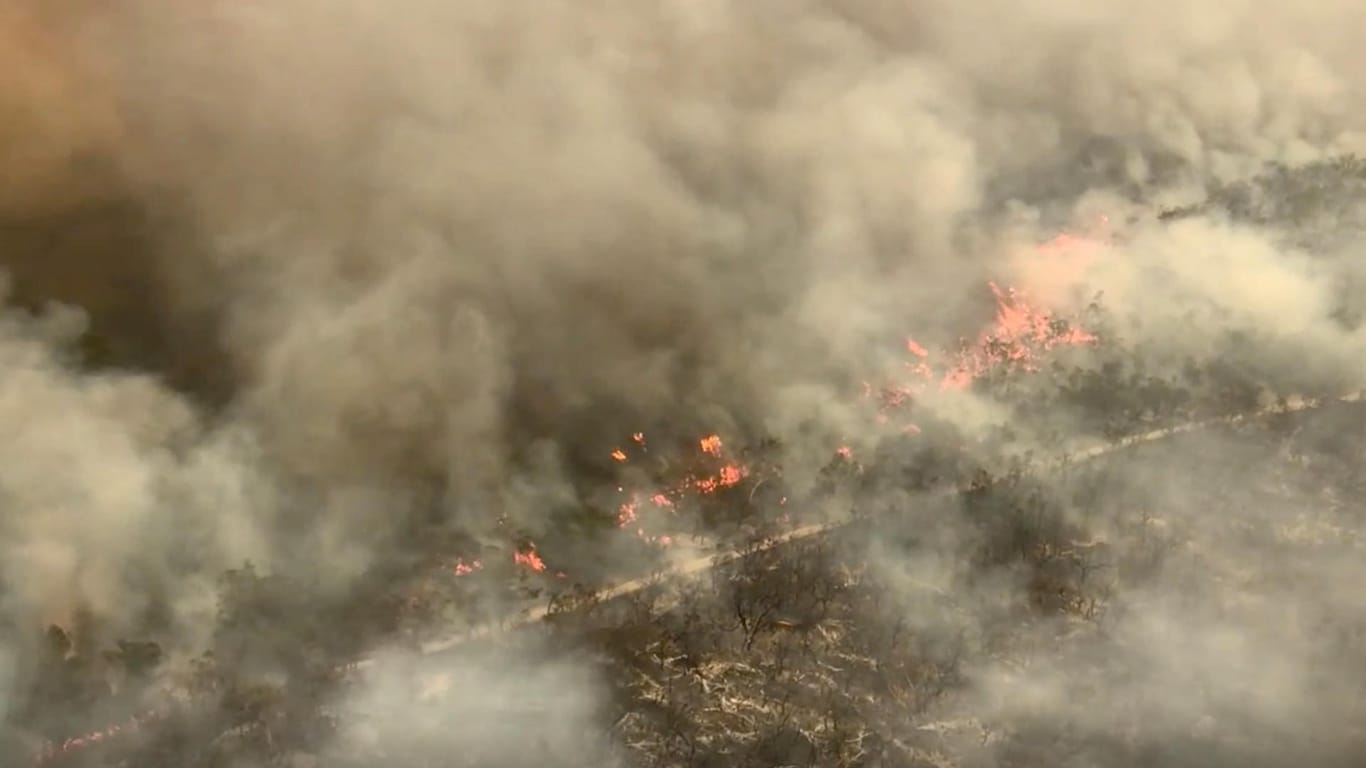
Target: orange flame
529,558
730,475
1021,330
462,568
53,750
725,476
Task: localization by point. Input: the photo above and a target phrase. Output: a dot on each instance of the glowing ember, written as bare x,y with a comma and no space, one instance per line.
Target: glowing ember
619,455
54,750
526,557
461,567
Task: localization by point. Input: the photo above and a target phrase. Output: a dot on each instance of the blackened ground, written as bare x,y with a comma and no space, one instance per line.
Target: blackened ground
844,651
817,655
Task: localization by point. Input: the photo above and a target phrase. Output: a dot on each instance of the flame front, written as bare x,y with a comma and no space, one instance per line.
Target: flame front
726,475
1020,332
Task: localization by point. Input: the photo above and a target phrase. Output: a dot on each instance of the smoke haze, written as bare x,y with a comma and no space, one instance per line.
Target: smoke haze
344,268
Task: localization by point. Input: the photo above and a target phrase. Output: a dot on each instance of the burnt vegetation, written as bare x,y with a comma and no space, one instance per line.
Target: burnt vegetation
865,646
814,653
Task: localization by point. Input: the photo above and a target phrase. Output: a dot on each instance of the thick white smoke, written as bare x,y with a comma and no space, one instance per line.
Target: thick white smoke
379,264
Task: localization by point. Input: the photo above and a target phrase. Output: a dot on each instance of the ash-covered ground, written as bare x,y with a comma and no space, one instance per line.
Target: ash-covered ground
1187,602
1182,601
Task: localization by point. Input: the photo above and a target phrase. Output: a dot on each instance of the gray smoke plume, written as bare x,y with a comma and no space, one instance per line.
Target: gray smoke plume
292,280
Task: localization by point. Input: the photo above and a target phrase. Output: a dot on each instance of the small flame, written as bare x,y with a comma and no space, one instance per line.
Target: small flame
528,558
462,568
619,454
729,475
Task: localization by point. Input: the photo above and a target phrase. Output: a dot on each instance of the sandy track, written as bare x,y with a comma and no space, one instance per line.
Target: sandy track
692,564
691,561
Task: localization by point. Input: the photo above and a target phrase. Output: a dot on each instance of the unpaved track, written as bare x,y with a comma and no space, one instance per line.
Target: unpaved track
687,565
691,562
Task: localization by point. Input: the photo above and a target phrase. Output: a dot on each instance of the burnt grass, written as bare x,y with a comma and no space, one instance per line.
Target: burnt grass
811,655
833,651
840,650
